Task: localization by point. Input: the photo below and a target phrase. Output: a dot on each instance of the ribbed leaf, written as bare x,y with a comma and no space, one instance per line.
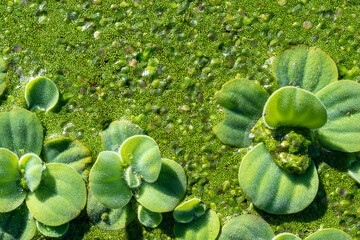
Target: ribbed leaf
149,218
31,165
70,152
187,211
206,227
11,192
168,190
107,181
21,132
50,231
143,155
329,234
60,197
17,224
3,82
108,219
243,101
117,132
294,107
307,67
354,168
41,94
286,236
246,227
342,130
271,188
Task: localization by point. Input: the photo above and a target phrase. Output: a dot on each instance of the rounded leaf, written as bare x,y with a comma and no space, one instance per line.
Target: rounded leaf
354,168
107,181
21,132
17,224
41,94
273,189
307,67
11,194
243,101
187,211
168,190
342,130
329,234
294,107
70,152
60,197
117,132
206,227
108,219
246,227
286,236
143,155
149,218
32,166
3,70
51,231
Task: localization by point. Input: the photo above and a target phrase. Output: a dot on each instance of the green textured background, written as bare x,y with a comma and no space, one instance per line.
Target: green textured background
194,47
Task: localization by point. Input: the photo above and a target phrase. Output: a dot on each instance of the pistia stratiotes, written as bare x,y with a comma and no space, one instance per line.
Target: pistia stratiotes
131,165
47,194
311,107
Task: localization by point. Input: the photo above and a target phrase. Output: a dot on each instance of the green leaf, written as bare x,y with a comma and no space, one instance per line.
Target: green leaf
286,236
17,224
143,155
149,218
41,94
246,227
70,152
294,107
187,211
51,231
60,197
107,181
206,227
243,101
11,194
21,132
273,189
342,130
3,82
133,180
307,67
31,165
329,234
354,168
117,132
168,190
108,219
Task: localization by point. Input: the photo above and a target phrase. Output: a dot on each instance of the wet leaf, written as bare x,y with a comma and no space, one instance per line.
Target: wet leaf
41,94
307,67
271,188
60,197
107,181
294,107
329,234
168,190
31,165
342,130
149,218
50,231
243,101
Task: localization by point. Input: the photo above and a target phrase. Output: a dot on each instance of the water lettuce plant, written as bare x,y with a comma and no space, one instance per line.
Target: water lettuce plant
3,72
47,194
311,108
131,165
41,94
193,221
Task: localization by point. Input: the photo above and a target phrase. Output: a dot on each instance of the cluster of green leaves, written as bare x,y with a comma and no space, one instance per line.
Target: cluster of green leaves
310,97
47,193
131,165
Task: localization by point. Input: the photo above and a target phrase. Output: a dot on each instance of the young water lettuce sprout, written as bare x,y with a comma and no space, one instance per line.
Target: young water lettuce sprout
324,234
54,192
3,72
41,94
131,165
193,221
310,107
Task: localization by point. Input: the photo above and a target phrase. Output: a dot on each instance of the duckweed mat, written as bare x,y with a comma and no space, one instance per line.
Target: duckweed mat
159,64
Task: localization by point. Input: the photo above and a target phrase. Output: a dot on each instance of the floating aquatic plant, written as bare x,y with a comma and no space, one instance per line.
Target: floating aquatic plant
41,94
131,165
3,72
33,192
193,221
311,107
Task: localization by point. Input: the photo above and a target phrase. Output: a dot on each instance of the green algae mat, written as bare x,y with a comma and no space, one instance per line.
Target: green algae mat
183,119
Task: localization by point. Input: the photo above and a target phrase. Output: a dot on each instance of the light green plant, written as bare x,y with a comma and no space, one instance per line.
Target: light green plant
41,94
